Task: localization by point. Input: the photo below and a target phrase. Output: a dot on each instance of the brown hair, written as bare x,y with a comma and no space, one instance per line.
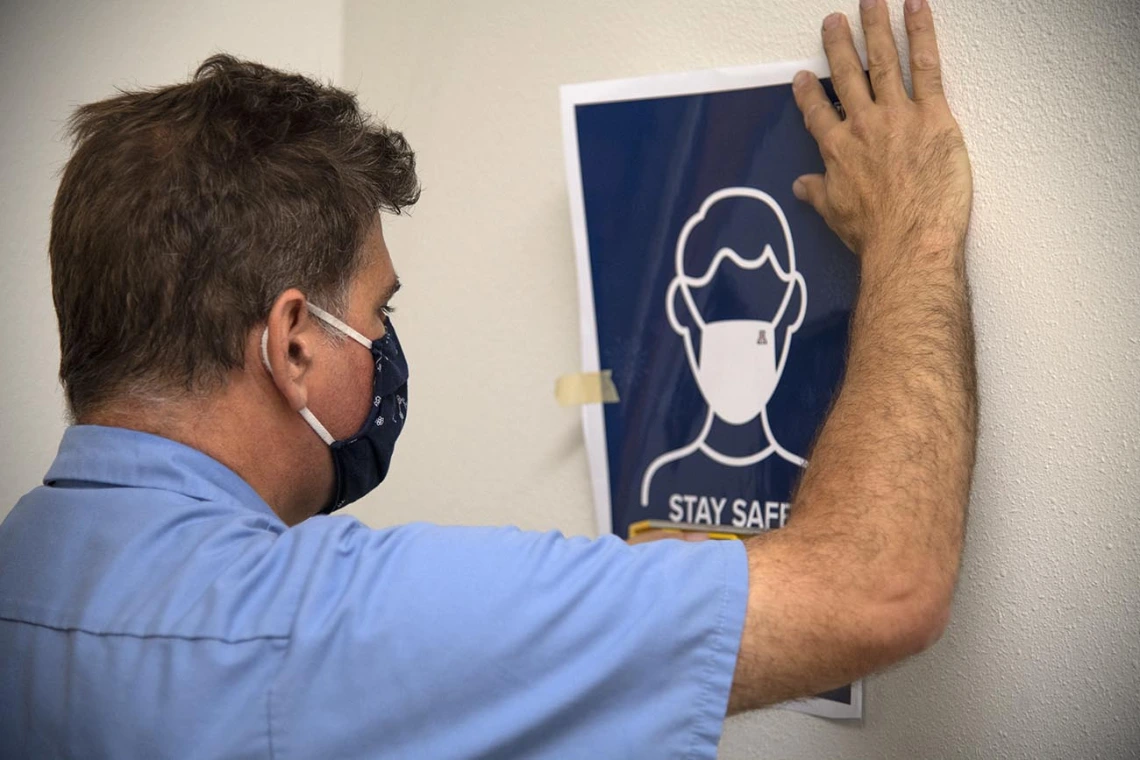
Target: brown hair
184,212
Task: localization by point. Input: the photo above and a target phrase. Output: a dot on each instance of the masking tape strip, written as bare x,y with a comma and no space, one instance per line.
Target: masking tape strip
586,388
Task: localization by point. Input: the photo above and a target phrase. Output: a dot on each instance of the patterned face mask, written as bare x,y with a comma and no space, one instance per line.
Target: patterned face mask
361,462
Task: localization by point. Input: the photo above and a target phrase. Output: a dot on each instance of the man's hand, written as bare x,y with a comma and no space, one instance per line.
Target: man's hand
863,573
897,169
649,536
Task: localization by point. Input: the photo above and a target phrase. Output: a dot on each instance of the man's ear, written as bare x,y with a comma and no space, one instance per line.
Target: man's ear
288,346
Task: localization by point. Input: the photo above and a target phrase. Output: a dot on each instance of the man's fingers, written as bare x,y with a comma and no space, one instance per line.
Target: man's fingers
819,114
648,536
882,55
846,68
810,188
925,70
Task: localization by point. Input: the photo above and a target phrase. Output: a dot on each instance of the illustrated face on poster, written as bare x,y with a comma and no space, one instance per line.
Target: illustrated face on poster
720,302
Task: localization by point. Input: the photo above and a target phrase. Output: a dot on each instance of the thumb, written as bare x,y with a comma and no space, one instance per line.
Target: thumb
810,188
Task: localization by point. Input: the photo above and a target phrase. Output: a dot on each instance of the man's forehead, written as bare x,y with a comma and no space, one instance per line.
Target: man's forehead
377,273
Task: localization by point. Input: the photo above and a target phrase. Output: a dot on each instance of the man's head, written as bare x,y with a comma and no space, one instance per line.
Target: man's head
741,237
191,217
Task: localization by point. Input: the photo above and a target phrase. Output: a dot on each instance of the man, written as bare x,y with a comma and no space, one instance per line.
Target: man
221,282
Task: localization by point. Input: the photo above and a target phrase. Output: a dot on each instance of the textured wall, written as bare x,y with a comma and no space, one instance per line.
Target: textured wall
54,56
1042,659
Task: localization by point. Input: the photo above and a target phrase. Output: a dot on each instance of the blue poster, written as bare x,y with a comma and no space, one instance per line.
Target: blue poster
719,302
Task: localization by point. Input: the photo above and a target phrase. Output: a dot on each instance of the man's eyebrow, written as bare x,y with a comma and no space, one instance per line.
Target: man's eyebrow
391,291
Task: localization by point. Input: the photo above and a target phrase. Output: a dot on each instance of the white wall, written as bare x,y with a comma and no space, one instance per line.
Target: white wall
55,56
1042,659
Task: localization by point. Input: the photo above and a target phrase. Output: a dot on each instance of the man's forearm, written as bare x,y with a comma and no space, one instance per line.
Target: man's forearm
889,476
863,573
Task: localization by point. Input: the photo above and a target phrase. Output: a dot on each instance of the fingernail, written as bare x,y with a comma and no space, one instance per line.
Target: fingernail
914,5
868,4
832,21
798,189
801,79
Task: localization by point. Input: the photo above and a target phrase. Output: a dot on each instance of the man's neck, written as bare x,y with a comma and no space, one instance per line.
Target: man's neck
223,429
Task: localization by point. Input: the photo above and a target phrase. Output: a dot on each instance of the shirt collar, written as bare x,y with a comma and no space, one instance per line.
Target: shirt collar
121,457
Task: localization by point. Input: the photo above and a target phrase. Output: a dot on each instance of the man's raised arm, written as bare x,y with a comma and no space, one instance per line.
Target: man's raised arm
863,573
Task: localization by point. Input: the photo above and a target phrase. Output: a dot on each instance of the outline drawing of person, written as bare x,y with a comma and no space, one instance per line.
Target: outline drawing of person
738,364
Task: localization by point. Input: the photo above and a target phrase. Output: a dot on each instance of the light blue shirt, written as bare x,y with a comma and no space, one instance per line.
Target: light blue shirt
153,605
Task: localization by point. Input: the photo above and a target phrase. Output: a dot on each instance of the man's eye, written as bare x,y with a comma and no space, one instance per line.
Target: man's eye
386,310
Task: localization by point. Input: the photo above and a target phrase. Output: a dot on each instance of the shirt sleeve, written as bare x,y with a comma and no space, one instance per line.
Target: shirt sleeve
431,642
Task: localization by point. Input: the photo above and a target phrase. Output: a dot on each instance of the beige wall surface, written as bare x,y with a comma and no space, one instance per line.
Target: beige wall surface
1042,659
55,56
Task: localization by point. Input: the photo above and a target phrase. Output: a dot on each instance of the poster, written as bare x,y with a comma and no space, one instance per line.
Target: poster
719,302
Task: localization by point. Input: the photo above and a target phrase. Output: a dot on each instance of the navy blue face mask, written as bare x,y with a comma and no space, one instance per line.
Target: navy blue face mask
361,462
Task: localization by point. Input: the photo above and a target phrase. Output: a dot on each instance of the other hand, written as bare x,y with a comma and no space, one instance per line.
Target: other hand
657,535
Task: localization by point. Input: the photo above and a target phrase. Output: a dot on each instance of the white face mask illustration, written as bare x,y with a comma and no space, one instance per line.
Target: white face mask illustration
738,368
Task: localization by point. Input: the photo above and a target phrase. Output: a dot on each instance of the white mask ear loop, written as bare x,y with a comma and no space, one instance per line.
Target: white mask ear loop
329,319
306,415
316,425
